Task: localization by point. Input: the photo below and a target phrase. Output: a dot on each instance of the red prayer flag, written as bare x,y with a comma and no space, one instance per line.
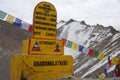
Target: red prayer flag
64,41
109,62
30,28
91,52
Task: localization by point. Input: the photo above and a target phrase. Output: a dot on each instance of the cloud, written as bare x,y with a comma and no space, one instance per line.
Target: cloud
104,12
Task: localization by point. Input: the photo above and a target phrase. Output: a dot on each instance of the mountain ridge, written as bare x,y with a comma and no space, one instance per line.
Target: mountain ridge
97,37
10,43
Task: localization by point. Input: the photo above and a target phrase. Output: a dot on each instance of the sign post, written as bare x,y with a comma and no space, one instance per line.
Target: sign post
42,47
33,67
42,55
44,21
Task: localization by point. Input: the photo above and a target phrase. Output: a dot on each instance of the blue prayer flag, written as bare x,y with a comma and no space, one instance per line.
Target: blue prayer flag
81,48
105,72
18,22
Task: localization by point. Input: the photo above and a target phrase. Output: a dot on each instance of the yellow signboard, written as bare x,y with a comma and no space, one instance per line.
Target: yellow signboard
34,67
42,46
44,21
25,46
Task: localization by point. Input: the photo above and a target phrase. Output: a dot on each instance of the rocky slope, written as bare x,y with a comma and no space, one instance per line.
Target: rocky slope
97,37
10,43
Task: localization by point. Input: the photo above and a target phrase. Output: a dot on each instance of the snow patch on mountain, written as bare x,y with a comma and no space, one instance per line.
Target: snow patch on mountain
97,37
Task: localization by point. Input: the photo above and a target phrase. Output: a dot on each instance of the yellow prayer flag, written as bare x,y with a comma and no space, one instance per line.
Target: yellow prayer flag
102,76
10,18
75,46
115,60
101,56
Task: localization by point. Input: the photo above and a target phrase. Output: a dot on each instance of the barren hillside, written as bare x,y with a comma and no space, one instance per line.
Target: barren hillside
10,43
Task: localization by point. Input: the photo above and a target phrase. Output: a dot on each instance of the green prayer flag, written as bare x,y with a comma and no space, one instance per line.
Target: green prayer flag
69,44
96,53
2,15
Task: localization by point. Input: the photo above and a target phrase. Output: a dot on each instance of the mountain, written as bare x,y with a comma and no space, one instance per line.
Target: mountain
96,37
10,43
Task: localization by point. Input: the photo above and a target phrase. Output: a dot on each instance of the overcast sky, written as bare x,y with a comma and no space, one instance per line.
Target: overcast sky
104,12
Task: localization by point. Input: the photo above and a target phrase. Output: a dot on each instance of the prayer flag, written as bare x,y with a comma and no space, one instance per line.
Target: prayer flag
115,61
102,76
109,61
69,44
75,46
10,19
64,41
81,48
2,15
30,28
18,22
91,52
85,50
25,25
106,72
101,56
107,67
96,53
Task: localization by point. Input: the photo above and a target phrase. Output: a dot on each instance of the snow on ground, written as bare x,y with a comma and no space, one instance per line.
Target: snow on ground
115,37
85,65
101,63
60,24
77,33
